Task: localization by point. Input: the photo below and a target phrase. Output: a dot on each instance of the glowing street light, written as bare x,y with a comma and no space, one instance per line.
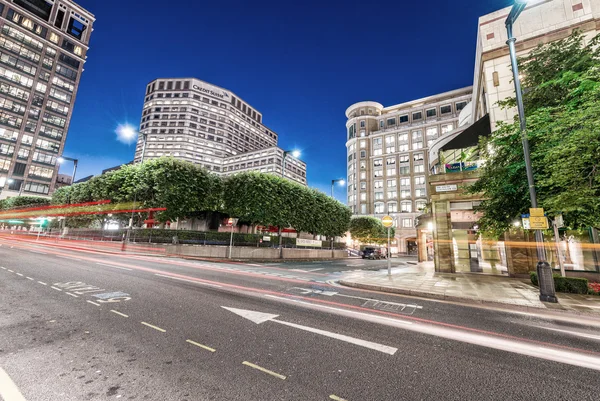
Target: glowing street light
341,181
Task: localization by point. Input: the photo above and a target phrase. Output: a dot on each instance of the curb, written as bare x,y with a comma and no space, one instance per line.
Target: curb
464,300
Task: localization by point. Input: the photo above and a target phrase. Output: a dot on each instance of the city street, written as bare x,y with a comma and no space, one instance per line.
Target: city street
87,325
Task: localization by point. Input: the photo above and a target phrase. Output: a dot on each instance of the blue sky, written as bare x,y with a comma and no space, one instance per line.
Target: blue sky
301,63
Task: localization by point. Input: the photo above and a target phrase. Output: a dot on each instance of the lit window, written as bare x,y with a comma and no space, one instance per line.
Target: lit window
53,37
392,207
406,207
407,223
77,50
420,180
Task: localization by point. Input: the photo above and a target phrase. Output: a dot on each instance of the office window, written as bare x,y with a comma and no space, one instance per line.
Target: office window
362,124
406,207
363,143
390,161
407,223
378,184
381,124
363,154
405,182
391,183
421,205
447,128
419,168
377,152
431,113
420,193
363,209
391,122
363,175
378,173
377,162
403,148
446,109
404,159
363,186
432,132
417,145
363,197
403,137
363,165
380,208
420,180
405,193
392,207
460,106
377,142
403,119
404,170
378,195
417,116
417,135
392,194
418,156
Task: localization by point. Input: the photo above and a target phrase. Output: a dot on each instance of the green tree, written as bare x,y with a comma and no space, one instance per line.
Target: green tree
562,107
369,230
23,202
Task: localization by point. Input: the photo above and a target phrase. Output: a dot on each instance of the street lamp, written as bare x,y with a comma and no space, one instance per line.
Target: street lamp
62,159
546,281
341,181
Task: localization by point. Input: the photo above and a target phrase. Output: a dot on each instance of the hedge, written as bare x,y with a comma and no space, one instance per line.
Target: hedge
572,285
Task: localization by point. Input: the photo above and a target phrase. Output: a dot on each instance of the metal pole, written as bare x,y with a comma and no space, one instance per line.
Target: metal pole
547,292
74,171
388,254
558,255
279,228
332,184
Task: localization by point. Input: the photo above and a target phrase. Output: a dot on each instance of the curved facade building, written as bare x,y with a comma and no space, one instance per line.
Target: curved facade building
204,124
387,157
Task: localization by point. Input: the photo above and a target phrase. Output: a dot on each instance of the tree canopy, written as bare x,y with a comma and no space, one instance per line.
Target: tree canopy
369,230
562,107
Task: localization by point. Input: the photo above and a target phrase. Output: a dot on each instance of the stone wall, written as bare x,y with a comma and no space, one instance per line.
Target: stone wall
222,252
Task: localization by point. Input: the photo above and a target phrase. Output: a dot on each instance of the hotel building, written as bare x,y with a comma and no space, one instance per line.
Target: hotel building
43,46
204,124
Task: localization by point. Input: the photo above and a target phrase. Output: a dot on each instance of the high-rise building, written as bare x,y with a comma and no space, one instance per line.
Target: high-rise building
204,124
43,46
387,157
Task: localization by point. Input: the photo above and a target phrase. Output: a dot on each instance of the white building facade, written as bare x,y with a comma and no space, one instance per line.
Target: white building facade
204,124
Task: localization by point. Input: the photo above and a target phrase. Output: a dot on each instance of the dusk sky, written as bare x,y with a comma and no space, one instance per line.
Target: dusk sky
299,63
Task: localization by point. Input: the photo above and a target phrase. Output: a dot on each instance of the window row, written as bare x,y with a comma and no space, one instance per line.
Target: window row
417,116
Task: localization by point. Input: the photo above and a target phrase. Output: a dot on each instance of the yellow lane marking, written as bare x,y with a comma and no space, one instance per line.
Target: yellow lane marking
270,372
200,345
93,303
73,295
154,327
28,278
118,313
19,274
54,288
42,283
336,398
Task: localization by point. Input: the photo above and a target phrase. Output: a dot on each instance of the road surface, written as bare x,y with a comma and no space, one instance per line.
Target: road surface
87,325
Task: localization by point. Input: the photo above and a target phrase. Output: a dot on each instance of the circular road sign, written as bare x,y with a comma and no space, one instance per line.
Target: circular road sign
387,221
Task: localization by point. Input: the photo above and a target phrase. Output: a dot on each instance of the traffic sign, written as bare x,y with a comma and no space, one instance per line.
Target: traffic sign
536,212
231,222
387,221
538,223
526,224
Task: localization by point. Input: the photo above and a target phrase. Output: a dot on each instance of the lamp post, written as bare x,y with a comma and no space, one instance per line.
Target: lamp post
341,181
61,160
546,281
295,154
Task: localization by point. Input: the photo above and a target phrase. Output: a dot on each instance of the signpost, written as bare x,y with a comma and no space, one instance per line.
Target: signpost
230,223
388,221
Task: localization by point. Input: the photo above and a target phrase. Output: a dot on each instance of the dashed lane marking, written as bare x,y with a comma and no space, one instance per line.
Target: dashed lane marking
119,313
54,288
93,303
336,398
19,274
8,389
42,283
154,327
2,267
116,267
200,345
189,281
270,372
28,278
73,295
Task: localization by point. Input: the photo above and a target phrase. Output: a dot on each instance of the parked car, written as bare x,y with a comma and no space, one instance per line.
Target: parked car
373,252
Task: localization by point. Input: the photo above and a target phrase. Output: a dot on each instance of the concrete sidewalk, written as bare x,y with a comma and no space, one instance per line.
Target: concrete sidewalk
421,281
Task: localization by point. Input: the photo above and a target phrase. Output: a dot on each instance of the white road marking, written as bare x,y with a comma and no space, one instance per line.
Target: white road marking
575,333
270,372
118,313
154,327
2,267
314,270
28,278
8,389
54,288
189,281
19,274
116,267
93,303
10,271
200,345
73,295
259,317
42,283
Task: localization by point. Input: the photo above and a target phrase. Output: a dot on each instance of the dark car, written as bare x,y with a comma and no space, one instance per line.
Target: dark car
372,252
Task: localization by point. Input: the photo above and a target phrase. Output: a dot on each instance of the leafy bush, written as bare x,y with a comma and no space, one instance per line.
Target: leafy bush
572,285
594,288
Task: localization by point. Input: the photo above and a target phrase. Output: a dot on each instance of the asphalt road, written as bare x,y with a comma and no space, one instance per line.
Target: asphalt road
85,325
